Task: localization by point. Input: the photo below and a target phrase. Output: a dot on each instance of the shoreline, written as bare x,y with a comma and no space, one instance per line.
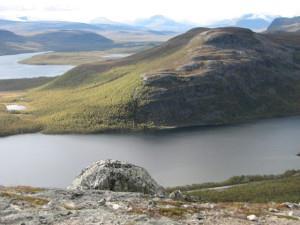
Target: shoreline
149,130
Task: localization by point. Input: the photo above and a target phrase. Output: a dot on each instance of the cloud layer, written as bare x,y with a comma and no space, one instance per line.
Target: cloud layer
199,11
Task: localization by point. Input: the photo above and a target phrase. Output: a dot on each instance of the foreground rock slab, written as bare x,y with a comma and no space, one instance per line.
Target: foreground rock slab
30,206
115,175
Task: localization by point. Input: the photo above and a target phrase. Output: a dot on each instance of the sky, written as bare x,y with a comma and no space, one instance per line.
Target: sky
197,11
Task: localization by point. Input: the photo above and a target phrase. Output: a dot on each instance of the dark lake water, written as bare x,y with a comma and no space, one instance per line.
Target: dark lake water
11,69
173,158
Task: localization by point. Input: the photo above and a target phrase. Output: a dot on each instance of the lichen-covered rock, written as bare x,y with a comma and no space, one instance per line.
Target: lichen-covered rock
177,195
115,175
94,207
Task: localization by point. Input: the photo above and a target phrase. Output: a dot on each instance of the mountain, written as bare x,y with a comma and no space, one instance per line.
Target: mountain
10,36
43,26
63,40
285,24
250,21
68,40
202,77
113,30
161,23
10,43
253,22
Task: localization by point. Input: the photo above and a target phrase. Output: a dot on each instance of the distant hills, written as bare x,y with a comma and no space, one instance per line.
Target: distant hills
42,26
250,21
10,43
102,26
285,24
62,40
162,23
25,35
155,28
68,40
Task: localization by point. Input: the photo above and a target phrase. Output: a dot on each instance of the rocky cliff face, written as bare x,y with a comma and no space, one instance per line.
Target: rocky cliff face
224,75
117,176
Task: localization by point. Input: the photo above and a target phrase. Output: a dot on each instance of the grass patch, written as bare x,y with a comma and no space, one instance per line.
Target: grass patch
2,108
287,217
278,190
34,201
22,189
23,84
172,212
243,179
173,203
17,124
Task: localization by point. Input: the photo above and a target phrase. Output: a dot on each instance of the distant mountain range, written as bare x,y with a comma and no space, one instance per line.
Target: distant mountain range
30,36
62,40
250,21
110,29
162,23
155,25
285,24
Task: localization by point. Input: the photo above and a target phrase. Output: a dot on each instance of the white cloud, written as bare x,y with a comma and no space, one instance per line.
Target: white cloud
199,11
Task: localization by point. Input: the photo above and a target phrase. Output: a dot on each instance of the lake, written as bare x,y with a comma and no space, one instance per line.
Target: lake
178,157
11,69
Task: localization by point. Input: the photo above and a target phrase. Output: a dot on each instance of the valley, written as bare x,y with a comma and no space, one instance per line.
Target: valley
92,108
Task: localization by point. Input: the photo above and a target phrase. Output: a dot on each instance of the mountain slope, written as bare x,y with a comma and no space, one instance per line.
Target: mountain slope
285,24
10,43
232,75
115,31
203,77
86,73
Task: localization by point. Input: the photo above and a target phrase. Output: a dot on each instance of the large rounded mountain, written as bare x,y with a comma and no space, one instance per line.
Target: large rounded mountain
202,77
68,40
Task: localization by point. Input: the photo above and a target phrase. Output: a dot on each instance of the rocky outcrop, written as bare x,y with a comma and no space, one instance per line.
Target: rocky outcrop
115,175
82,205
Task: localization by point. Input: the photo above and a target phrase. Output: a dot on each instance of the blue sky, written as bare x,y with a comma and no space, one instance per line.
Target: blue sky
198,11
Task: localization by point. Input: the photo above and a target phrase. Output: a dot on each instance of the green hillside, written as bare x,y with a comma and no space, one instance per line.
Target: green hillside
203,77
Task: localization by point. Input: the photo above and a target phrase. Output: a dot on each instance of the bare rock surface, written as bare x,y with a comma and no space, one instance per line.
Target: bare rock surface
91,207
115,175
85,204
